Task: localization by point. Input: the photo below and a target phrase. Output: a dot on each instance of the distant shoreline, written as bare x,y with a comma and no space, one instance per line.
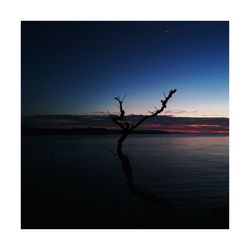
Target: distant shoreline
99,131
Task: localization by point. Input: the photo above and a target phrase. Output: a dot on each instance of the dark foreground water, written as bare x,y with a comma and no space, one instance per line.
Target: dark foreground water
78,182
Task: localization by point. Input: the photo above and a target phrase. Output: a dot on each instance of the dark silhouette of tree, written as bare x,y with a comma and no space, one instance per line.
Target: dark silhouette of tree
126,129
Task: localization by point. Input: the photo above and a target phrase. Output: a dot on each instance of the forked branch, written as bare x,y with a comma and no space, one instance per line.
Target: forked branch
121,121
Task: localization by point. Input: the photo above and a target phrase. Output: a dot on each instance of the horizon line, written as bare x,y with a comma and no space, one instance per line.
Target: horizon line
100,114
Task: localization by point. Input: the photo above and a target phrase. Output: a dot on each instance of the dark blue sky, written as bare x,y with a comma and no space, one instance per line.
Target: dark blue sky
78,67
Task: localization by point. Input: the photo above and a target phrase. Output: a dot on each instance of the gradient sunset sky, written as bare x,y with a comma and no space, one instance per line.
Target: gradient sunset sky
78,67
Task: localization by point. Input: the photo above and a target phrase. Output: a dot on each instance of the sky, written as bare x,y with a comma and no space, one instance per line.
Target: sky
77,68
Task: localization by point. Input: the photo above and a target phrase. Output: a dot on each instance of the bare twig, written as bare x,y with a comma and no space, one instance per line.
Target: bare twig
125,125
158,111
120,119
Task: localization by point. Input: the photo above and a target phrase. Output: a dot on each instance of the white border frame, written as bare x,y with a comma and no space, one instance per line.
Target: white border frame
12,12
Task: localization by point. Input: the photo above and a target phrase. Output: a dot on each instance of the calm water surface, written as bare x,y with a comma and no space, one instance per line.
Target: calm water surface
192,172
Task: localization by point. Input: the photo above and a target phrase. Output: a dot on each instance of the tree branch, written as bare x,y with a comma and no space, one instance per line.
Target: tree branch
120,120
158,111
125,125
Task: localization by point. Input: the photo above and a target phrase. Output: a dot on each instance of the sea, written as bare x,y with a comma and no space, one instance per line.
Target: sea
75,181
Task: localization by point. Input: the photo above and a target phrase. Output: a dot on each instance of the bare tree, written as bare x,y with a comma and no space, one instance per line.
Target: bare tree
126,129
